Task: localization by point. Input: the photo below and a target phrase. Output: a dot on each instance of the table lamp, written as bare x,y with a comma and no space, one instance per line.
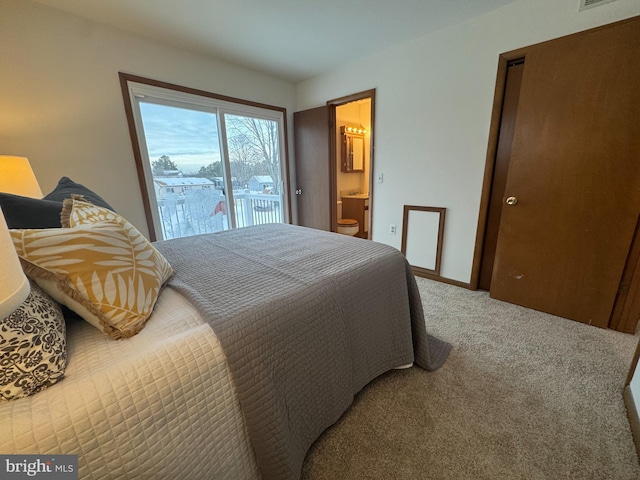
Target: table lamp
14,286
16,176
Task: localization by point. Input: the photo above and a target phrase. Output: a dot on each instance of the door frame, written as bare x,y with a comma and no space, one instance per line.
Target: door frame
625,313
500,169
492,150
333,159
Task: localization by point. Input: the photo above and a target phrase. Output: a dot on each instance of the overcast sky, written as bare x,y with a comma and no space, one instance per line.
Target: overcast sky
188,137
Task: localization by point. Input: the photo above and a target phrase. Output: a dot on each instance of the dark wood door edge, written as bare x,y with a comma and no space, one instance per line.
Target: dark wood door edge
626,308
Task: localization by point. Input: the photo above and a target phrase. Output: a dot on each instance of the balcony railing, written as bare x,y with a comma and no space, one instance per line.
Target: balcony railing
206,212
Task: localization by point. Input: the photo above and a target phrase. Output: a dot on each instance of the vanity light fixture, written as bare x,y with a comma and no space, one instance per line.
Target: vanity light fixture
358,130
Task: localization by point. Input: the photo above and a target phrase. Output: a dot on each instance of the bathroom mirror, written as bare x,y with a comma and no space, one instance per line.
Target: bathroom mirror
352,149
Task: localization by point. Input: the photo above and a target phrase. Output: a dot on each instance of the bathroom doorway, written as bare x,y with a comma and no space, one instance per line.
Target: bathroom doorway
351,161
319,156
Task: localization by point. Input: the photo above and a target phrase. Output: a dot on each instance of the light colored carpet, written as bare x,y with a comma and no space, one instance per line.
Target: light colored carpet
523,395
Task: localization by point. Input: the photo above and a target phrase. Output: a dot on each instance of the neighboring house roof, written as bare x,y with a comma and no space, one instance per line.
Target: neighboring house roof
183,182
262,178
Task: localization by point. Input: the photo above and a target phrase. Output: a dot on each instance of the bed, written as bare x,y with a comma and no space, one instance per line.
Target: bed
258,343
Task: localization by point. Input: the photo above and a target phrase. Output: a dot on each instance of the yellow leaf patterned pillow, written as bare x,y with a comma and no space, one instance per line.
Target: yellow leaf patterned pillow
77,211
101,267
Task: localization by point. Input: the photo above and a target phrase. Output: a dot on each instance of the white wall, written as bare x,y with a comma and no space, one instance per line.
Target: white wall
61,104
433,107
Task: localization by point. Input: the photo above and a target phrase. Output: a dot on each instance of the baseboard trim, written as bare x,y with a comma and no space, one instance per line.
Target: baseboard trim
632,415
420,272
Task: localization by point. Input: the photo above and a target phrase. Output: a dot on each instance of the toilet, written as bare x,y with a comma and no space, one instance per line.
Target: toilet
346,226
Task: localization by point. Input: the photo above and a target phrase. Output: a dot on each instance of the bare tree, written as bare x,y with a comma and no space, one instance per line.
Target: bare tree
260,137
242,158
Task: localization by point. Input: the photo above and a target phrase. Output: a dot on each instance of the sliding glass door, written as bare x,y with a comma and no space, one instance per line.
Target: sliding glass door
207,164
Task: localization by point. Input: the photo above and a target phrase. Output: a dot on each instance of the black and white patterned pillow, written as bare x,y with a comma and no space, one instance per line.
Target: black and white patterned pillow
32,346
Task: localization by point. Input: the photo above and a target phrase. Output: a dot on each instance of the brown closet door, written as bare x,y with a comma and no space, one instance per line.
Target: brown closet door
574,171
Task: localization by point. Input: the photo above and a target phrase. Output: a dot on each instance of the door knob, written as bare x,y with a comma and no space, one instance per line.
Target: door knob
299,191
512,200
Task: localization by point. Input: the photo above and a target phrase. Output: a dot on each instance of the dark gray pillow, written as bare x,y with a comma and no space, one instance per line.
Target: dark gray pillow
67,187
26,212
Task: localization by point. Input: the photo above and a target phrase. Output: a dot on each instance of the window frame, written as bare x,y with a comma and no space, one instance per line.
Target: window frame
174,95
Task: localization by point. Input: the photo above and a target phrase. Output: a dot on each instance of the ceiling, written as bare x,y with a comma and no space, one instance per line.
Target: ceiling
290,39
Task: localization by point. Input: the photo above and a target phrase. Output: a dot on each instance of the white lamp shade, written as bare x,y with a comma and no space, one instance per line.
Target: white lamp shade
16,176
14,286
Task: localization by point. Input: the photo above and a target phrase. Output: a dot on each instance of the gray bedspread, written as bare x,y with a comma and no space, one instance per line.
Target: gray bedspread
306,319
